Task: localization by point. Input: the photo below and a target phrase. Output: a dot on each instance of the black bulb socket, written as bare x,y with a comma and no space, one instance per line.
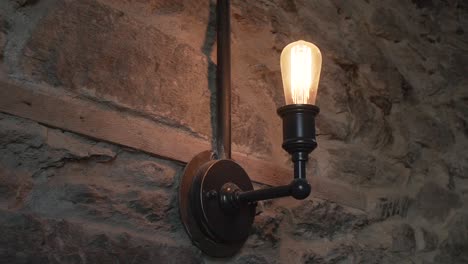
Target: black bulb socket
299,127
299,136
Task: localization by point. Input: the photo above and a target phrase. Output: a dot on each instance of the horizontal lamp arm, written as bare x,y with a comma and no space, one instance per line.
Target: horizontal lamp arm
264,194
231,197
298,189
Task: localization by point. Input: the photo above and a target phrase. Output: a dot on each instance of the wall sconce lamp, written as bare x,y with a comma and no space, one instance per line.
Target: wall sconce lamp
216,197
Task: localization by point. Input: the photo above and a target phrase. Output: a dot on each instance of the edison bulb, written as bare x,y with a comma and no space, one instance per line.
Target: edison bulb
301,62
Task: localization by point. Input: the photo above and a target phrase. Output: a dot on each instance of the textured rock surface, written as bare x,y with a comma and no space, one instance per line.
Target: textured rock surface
454,249
435,203
403,238
393,122
316,220
3,34
29,239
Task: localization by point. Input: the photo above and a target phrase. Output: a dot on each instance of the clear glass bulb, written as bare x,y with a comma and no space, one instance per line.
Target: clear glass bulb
301,63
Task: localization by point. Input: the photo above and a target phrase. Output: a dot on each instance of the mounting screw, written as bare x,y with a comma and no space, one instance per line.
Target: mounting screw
211,194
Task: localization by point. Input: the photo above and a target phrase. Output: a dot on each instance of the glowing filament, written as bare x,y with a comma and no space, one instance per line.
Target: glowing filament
301,62
301,79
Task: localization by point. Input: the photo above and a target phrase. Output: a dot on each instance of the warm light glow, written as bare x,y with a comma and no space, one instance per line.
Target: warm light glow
301,62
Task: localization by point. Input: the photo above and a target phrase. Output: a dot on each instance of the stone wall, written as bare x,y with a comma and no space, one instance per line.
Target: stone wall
393,124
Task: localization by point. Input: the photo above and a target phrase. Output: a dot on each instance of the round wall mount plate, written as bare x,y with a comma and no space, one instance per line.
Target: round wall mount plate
216,231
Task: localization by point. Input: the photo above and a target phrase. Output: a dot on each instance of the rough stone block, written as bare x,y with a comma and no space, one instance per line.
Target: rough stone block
60,174
353,253
158,76
140,171
454,249
265,230
392,205
29,239
435,203
426,240
428,130
23,3
353,165
3,35
105,54
403,238
102,201
316,219
253,259
15,186
384,23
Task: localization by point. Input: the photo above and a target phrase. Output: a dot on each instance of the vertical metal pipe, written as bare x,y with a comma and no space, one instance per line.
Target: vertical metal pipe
300,160
300,169
223,80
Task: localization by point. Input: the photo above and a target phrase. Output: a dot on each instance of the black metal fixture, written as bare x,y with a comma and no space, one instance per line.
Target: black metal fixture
216,197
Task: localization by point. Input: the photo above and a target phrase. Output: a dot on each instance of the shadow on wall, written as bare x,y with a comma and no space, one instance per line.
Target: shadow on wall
207,49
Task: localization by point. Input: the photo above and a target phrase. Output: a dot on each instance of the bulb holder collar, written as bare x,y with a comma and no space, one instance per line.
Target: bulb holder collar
299,127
